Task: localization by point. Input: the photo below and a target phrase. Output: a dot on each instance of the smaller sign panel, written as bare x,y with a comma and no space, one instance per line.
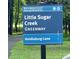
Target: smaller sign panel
42,24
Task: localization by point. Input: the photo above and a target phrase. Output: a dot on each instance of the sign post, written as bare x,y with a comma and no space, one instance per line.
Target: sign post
42,25
43,52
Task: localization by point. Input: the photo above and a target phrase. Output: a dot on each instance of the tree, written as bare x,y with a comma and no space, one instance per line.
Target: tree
10,16
66,16
17,16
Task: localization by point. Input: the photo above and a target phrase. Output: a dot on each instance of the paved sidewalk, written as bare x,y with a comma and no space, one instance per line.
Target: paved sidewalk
67,56
12,40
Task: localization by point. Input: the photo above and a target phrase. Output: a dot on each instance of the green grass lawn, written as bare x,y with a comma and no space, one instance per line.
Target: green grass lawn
21,51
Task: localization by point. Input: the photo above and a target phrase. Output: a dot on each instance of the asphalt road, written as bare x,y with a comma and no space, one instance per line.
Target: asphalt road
11,42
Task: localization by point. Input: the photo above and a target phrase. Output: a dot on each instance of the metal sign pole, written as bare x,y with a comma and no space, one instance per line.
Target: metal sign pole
43,52
43,47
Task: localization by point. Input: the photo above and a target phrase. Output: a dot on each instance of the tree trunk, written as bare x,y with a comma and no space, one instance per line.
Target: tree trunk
69,27
17,18
66,28
10,16
28,1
